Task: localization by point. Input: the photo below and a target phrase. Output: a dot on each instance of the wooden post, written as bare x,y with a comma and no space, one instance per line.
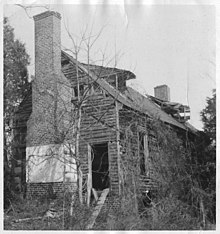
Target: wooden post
89,182
117,108
80,185
88,189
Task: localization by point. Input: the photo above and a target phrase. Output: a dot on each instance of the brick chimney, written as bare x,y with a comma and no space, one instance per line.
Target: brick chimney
47,46
162,92
42,123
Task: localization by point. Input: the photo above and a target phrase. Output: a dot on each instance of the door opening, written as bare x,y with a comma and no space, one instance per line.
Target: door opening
100,166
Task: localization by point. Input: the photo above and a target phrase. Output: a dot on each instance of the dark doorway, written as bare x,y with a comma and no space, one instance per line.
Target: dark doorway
100,166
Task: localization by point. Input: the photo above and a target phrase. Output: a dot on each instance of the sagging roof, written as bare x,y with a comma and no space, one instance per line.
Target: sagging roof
130,97
99,71
176,110
103,72
150,108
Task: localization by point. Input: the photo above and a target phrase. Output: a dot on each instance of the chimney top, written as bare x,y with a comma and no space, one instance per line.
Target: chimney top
162,92
47,14
159,86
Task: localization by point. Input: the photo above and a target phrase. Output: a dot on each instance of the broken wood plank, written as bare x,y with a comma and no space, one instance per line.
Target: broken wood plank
95,194
97,209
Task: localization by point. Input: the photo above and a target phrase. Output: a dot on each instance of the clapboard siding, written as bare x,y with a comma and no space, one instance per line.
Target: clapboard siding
131,123
98,125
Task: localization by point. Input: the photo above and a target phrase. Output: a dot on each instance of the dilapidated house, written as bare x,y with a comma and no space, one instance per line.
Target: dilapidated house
114,120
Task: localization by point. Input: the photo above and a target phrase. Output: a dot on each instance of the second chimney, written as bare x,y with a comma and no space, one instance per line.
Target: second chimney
162,92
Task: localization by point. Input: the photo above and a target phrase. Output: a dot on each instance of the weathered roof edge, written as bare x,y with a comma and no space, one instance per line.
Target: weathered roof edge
104,84
117,94
130,75
152,109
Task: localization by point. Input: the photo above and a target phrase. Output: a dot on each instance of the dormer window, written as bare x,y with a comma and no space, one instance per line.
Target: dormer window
81,91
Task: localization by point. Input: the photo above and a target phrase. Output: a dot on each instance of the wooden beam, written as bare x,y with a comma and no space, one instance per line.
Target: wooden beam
89,181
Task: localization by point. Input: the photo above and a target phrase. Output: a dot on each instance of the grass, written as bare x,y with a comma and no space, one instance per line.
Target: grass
169,214
29,209
33,208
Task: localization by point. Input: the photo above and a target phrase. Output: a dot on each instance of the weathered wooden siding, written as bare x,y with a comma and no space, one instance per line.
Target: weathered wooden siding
131,123
98,125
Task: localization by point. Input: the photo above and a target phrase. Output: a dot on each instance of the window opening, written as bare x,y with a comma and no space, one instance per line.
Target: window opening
81,90
143,152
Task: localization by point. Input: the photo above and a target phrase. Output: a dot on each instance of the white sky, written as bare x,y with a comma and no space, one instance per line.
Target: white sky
161,44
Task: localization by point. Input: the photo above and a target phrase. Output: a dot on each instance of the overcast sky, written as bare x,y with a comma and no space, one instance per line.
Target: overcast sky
161,44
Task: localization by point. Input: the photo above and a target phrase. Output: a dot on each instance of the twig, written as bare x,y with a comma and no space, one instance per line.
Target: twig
26,219
10,208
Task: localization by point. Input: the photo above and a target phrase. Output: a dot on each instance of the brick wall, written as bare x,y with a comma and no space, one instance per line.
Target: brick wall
41,127
112,204
51,94
49,189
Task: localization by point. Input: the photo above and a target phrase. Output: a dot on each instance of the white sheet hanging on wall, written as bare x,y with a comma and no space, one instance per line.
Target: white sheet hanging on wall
48,163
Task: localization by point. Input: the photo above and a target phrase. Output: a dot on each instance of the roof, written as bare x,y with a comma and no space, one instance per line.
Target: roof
176,110
150,108
101,71
191,128
130,97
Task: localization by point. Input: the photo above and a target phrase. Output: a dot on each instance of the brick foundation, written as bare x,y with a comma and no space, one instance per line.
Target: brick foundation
112,204
48,189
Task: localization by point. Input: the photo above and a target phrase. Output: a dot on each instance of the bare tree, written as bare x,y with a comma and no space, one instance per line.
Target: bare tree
79,96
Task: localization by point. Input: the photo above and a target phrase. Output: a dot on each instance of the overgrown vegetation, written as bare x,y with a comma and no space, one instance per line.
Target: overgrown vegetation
182,202
182,166
208,115
16,86
46,214
178,164
184,199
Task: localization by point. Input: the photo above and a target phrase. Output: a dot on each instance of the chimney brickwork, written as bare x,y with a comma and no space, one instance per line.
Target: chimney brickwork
41,128
162,92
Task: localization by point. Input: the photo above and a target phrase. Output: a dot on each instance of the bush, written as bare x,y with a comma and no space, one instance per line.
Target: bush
171,214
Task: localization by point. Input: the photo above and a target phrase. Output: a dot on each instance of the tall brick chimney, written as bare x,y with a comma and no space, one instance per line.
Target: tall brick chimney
162,92
45,150
42,123
47,46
